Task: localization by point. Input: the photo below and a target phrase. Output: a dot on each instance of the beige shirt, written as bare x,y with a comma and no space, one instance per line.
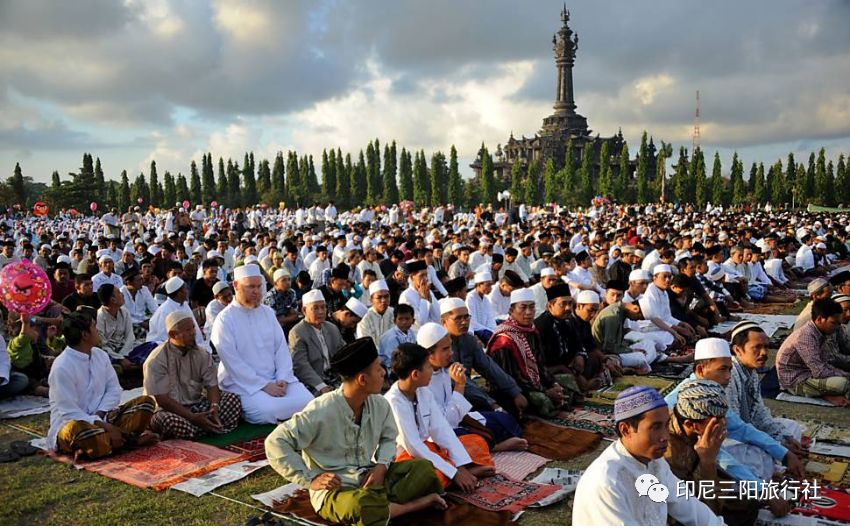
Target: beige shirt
182,376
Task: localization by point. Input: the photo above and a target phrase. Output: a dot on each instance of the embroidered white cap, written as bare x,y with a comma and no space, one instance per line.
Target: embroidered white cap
173,284
546,272
587,297
378,286
639,275
710,348
312,296
430,334
280,273
522,295
483,276
662,268
450,304
356,307
245,271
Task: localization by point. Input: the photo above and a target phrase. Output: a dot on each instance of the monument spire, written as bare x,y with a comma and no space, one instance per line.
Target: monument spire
565,44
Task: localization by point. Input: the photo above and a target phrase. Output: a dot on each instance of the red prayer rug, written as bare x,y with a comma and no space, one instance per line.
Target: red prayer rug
158,466
499,493
253,450
517,465
830,503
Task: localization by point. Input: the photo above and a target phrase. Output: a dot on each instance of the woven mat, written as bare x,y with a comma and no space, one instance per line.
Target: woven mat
253,450
517,465
158,466
242,433
499,493
607,395
557,442
589,417
832,470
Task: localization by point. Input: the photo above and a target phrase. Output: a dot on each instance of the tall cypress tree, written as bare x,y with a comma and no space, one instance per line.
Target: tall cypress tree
140,190
329,186
790,176
124,195
304,178
585,176
249,181
389,182
809,192
702,192
293,179
604,185
182,185
195,194
842,183
623,184
641,176
264,182
736,181
169,189
326,175
517,181
488,182
18,187
207,180
341,198
821,185
279,179
222,184
155,196
455,192
405,176
56,182
569,182
830,184
421,187
680,178
551,186
234,184
358,181
718,195
372,191
438,179
99,180
661,190
531,188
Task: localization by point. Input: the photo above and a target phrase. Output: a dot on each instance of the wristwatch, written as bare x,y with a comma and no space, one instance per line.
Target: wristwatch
214,406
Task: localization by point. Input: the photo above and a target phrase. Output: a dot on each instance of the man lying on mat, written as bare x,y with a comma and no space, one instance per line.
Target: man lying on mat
176,373
342,447
85,416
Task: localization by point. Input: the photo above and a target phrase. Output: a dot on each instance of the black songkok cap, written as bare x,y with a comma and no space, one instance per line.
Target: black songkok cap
456,285
414,266
558,290
354,357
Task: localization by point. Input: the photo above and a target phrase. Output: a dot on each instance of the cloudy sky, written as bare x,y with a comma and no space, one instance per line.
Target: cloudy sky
167,80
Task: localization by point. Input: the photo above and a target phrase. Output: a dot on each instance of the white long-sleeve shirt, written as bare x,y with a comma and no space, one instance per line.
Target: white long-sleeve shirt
655,304
451,403
481,312
252,348
606,494
101,278
142,307
423,422
423,310
211,312
501,305
81,385
375,325
156,327
805,259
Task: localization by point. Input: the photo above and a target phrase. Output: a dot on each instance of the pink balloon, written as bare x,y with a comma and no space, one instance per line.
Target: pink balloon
93,206
186,204
213,204
24,287
140,200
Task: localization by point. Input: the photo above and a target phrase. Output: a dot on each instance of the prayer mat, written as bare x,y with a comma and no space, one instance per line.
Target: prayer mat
158,466
23,406
557,442
243,432
832,504
677,371
832,470
588,417
607,395
820,402
517,465
457,514
253,450
765,518
499,493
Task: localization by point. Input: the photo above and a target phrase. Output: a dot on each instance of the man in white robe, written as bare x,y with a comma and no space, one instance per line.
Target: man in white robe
178,294
500,296
624,485
137,299
655,305
379,319
483,322
255,359
419,296
548,278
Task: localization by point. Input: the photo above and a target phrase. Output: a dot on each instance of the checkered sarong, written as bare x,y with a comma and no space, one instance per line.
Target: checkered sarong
171,425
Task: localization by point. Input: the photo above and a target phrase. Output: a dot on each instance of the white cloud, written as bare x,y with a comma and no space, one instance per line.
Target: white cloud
647,88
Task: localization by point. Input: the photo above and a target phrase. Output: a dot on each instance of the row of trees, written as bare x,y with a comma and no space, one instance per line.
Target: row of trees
389,176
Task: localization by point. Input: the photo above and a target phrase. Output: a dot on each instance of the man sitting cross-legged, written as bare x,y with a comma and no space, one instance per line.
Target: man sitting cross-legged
424,433
175,374
85,416
352,482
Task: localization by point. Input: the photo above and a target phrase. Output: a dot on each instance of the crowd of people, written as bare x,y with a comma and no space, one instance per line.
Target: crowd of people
399,349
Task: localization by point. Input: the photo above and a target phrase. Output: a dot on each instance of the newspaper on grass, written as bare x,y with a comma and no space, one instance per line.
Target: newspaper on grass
765,518
566,478
24,406
276,495
215,479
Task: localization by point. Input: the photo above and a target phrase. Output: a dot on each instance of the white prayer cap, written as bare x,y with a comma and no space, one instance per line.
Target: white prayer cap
450,304
710,348
219,286
483,276
522,295
175,317
662,268
482,268
250,258
154,250
312,296
639,275
430,334
546,272
280,273
63,258
587,297
821,245
723,236
198,250
715,271
213,254
378,286
245,271
104,258
640,253
173,284
356,307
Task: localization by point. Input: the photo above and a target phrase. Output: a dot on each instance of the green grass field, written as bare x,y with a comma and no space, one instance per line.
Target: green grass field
37,490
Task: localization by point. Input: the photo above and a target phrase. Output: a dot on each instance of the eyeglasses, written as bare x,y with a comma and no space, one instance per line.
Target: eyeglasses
461,318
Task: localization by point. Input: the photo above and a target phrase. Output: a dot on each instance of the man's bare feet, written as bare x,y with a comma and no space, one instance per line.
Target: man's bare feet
511,444
147,438
482,471
685,358
434,500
